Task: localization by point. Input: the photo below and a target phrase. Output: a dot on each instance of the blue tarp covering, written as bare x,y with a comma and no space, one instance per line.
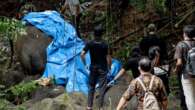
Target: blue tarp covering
63,54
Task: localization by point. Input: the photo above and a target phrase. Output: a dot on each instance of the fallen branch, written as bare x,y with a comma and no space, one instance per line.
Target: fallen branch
125,36
185,17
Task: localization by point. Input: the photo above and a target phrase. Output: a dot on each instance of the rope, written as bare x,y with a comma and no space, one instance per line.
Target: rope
74,80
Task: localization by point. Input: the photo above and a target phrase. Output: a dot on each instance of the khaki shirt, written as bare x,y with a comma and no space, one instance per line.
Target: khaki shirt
135,88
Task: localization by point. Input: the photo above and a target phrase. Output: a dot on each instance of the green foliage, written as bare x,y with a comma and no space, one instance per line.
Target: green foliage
139,4
23,90
21,108
82,1
11,28
159,5
3,105
173,81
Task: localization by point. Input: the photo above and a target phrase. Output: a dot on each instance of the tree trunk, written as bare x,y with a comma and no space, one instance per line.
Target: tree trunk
193,14
12,52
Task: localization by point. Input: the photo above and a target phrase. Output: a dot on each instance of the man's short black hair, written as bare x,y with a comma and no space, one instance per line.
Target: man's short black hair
98,31
145,64
153,52
189,30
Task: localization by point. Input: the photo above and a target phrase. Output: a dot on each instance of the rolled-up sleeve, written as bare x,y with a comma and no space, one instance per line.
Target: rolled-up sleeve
178,51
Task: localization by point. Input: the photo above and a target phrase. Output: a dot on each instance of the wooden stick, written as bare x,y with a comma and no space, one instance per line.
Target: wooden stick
185,17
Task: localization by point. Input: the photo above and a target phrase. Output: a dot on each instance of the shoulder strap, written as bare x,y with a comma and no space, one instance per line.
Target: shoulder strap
142,84
151,83
188,44
163,69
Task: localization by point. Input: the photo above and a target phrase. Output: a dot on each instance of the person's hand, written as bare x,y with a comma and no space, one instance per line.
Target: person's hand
87,68
111,83
175,71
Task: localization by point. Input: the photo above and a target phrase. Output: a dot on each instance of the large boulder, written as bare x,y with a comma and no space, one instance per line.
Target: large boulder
74,101
31,50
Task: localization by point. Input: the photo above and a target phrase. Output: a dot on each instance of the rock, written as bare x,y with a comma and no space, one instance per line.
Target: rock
114,94
31,50
42,93
74,101
10,77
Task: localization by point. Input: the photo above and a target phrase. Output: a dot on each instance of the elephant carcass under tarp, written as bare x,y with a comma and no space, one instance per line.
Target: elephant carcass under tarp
63,54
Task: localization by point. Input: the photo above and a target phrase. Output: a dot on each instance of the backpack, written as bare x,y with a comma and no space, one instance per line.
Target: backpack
190,60
150,102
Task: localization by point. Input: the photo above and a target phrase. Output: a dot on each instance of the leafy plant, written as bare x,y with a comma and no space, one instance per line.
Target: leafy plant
3,105
159,5
139,4
21,108
22,90
11,29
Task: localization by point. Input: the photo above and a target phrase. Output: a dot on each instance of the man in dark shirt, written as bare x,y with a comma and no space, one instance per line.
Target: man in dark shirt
100,63
131,64
150,40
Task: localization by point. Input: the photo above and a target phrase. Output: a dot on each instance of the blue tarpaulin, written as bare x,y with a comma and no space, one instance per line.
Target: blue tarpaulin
63,53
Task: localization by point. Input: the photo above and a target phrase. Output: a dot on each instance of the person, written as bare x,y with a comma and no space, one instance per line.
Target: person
131,64
135,88
73,10
160,68
100,65
188,83
152,39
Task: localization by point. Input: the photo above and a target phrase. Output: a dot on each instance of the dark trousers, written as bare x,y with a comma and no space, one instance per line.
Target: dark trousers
97,76
182,97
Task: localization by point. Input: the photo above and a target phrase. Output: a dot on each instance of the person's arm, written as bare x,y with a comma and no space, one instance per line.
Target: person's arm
83,57
157,59
178,57
121,72
63,9
163,95
109,61
129,93
121,104
178,66
83,52
77,9
164,104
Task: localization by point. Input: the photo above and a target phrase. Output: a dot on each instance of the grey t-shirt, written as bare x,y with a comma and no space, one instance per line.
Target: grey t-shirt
72,6
181,52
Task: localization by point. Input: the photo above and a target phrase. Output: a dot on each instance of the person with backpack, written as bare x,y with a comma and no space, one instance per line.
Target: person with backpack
185,64
160,68
100,64
148,88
